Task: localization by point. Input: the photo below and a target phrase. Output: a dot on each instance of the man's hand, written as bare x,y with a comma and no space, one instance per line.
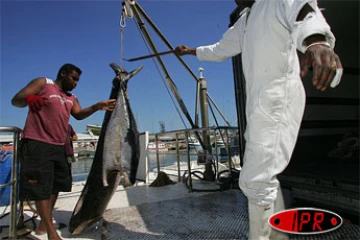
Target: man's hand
35,102
324,63
108,105
184,50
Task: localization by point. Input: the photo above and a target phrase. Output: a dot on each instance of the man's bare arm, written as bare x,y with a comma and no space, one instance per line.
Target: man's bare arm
81,113
33,88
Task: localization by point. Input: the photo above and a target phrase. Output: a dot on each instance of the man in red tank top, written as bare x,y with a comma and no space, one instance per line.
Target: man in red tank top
44,168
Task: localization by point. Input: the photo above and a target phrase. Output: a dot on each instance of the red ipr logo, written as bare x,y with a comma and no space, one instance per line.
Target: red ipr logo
305,221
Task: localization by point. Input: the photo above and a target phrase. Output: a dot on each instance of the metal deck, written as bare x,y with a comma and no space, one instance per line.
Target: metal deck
171,212
221,215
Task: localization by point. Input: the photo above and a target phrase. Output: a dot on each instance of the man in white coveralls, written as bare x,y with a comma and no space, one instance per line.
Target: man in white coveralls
268,33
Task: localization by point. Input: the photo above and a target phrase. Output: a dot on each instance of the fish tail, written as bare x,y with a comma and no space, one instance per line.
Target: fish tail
104,179
127,182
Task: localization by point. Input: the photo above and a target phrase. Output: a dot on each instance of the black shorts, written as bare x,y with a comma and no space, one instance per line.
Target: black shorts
44,170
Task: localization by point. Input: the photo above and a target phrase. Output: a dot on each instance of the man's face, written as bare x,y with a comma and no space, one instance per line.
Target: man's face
70,80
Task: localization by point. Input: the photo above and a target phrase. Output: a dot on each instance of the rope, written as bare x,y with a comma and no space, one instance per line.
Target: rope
122,30
166,86
223,117
222,137
121,46
139,26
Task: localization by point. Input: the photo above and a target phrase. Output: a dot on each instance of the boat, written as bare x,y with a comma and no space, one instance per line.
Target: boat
84,153
222,148
84,149
7,147
160,146
218,143
193,143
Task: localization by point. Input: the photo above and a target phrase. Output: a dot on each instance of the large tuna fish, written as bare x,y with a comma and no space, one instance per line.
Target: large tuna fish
117,155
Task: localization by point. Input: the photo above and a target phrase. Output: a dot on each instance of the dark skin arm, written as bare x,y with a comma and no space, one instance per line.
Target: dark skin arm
33,88
78,113
321,58
186,50
36,85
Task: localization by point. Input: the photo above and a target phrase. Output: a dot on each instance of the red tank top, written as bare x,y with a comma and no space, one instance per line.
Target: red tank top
50,124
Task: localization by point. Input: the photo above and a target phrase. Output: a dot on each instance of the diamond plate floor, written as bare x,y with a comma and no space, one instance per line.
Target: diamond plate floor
221,215
171,213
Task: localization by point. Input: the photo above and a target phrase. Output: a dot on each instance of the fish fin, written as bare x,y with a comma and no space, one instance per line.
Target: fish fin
78,206
104,179
126,181
105,183
133,72
117,69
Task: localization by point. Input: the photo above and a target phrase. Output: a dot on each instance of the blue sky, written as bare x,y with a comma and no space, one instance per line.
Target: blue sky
37,37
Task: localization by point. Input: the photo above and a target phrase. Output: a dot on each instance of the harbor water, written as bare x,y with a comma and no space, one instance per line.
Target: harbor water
83,164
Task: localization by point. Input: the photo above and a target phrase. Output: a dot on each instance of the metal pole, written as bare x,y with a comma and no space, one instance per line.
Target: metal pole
197,104
216,151
178,156
14,182
136,8
162,37
209,173
14,187
240,90
227,147
157,153
222,115
187,135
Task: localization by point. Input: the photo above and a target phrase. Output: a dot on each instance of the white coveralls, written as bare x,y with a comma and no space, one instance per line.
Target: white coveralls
268,36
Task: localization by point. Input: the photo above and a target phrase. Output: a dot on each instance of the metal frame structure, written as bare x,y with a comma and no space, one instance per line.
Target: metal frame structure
201,83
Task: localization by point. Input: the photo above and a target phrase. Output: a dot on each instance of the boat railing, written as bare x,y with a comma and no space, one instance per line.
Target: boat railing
224,146
13,183
195,159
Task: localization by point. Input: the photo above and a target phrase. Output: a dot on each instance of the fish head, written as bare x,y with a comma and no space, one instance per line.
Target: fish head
122,76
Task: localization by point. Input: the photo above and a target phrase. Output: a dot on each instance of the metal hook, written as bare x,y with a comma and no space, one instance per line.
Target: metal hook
123,14
122,21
